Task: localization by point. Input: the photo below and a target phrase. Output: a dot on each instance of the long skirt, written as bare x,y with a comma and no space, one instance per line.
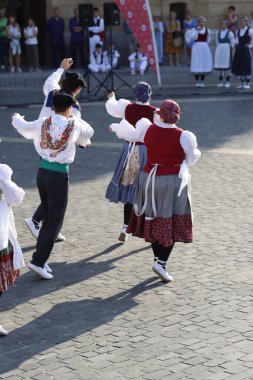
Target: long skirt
131,162
222,57
173,220
242,62
201,59
7,273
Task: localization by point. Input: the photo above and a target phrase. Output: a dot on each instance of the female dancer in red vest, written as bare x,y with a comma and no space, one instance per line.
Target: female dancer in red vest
133,155
162,208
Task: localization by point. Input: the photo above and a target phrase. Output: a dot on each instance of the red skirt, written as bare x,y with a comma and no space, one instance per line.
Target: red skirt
7,273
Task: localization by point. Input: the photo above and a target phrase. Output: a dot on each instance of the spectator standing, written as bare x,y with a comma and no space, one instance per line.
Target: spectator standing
233,19
55,28
159,30
241,66
97,30
77,38
4,41
201,60
172,40
31,44
14,35
225,42
189,23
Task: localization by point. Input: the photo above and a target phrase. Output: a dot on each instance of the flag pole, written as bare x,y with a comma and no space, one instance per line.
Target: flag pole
154,44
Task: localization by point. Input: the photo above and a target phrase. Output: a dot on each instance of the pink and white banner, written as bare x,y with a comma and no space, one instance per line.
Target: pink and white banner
138,15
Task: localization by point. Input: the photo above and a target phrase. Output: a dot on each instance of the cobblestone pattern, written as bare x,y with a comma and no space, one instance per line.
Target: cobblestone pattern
105,315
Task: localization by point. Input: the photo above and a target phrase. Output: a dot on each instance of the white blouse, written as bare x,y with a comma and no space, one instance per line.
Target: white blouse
223,34
12,196
188,141
80,135
193,35
242,32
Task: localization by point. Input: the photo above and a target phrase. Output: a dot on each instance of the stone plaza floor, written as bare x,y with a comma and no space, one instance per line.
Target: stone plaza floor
106,315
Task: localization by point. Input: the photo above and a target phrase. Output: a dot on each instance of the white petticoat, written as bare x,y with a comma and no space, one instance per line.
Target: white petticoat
201,61
222,57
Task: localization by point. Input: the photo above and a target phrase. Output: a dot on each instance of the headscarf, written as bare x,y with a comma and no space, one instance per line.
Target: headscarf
169,111
142,92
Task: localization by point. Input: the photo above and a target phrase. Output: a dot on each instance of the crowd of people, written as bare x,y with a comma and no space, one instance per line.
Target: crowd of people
151,178
233,41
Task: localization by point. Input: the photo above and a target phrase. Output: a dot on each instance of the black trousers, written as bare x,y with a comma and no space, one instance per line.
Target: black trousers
57,54
77,47
53,190
163,253
127,212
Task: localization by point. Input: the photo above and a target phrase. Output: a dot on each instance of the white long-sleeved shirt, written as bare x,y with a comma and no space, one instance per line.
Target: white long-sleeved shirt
188,141
80,134
52,84
223,34
137,56
11,196
192,35
98,29
117,108
241,34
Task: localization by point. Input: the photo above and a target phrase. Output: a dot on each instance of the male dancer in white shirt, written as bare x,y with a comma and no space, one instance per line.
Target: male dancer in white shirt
55,139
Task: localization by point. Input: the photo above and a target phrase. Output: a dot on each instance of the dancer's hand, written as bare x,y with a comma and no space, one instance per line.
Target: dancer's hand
110,128
17,114
66,63
111,95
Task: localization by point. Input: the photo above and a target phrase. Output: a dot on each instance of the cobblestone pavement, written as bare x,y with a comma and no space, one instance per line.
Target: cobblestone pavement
105,315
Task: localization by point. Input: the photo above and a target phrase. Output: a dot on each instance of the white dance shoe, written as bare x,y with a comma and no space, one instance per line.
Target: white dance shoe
41,272
3,332
160,268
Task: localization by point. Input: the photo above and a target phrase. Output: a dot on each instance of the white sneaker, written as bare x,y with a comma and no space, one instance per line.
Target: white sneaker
41,272
220,84
34,228
3,332
197,84
59,238
123,237
201,84
3,67
241,85
246,86
227,84
19,70
47,268
132,73
141,72
12,69
161,270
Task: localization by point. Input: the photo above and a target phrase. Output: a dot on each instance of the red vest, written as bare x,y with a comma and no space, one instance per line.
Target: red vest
202,37
164,149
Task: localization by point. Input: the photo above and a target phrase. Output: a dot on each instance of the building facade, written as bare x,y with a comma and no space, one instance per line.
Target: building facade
41,10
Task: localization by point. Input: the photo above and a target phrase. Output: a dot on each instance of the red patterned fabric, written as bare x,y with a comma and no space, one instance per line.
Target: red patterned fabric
7,273
164,148
178,228
138,16
169,111
202,37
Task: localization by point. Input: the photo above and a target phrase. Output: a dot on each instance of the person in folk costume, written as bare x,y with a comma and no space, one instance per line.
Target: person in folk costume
72,84
11,257
162,209
97,30
173,29
189,23
159,30
223,54
99,60
133,155
112,56
241,66
201,59
55,139
138,61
